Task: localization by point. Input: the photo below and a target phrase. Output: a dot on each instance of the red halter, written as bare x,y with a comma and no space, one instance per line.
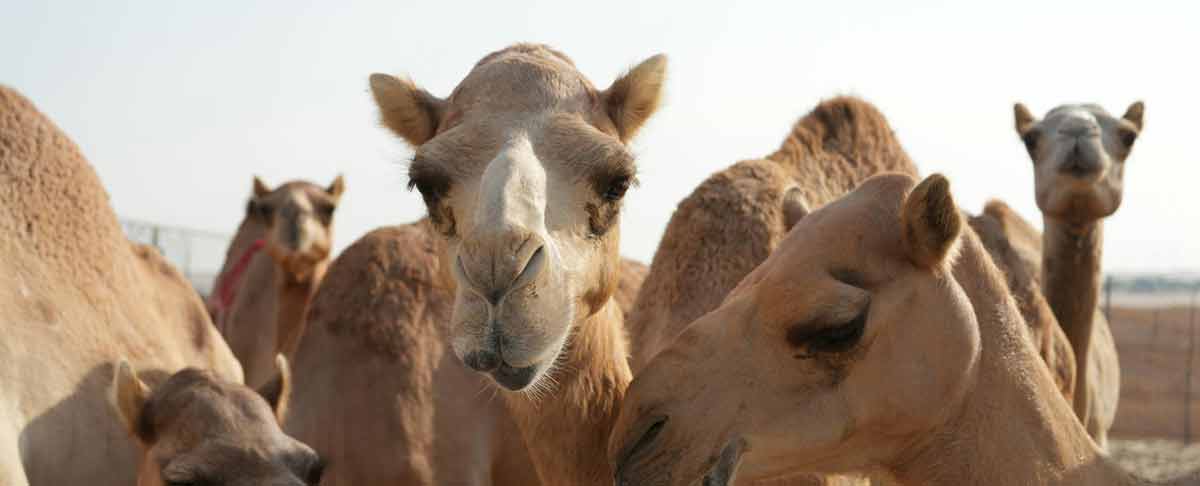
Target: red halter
227,285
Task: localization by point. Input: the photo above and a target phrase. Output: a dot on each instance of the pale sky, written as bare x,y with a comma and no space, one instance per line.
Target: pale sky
178,104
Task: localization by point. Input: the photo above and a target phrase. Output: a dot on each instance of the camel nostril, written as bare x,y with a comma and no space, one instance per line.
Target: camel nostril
533,267
639,446
484,361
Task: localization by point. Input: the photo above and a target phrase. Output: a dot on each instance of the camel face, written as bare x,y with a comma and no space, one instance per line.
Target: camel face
299,218
523,170
197,429
1079,154
848,342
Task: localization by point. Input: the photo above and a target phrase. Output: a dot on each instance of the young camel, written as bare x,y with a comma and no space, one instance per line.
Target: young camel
1079,154
272,267
196,428
878,338
375,334
523,169
74,295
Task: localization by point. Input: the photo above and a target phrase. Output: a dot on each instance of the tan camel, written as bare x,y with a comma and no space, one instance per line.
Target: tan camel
196,428
75,294
272,267
1079,154
523,169
878,338
375,336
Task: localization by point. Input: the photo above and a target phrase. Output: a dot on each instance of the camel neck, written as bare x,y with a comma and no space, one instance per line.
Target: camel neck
1071,282
292,303
1011,428
566,427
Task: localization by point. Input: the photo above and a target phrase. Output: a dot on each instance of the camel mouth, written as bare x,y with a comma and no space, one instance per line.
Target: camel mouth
725,469
515,379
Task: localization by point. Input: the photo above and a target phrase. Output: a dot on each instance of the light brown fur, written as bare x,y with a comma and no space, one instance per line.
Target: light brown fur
375,336
1016,248
735,218
75,294
861,356
266,316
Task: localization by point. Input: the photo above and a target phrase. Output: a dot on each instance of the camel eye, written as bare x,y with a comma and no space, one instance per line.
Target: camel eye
1030,139
832,339
325,211
260,209
1128,137
617,188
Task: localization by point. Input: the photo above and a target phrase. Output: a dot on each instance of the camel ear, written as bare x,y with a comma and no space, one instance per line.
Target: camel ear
260,188
128,396
279,389
408,111
1134,114
931,222
635,96
1024,119
335,189
794,207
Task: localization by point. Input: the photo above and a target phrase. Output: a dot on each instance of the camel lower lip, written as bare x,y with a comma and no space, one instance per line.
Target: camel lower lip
514,379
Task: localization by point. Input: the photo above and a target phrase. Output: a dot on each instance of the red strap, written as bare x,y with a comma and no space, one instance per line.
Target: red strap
228,283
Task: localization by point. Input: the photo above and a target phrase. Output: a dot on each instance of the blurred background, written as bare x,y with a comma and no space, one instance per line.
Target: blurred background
178,104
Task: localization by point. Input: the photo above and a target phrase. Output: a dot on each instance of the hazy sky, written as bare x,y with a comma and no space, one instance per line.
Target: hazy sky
177,104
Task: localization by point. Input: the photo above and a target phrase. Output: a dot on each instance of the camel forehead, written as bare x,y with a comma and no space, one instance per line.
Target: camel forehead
299,193
859,232
523,80
1076,114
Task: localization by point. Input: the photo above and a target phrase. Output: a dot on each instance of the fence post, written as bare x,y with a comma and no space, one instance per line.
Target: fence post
1187,390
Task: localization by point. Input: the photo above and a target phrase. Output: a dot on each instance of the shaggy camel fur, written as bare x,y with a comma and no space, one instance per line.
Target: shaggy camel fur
1015,247
523,169
878,338
375,336
272,267
1079,154
196,428
75,294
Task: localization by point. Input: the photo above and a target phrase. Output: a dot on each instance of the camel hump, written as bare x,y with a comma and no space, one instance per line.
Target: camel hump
844,125
383,291
53,198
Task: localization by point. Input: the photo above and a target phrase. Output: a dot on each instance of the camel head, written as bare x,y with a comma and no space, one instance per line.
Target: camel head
299,220
197,429
1079,154
523,169
848,343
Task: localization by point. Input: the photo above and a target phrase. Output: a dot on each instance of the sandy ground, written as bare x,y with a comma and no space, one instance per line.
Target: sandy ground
1156,459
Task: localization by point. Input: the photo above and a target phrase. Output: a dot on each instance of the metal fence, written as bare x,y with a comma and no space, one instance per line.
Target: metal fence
198,254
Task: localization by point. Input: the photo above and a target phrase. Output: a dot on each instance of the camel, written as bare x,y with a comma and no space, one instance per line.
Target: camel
1079,154
523,169
272,267
196,428
375,334
880,338
75,295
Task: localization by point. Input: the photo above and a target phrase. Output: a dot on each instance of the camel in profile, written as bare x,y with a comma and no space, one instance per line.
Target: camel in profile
1079,154
272,267
75,295
196,428
901,354
375,335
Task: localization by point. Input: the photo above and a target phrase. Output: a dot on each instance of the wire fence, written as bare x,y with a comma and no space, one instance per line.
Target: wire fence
1155,334
198,254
